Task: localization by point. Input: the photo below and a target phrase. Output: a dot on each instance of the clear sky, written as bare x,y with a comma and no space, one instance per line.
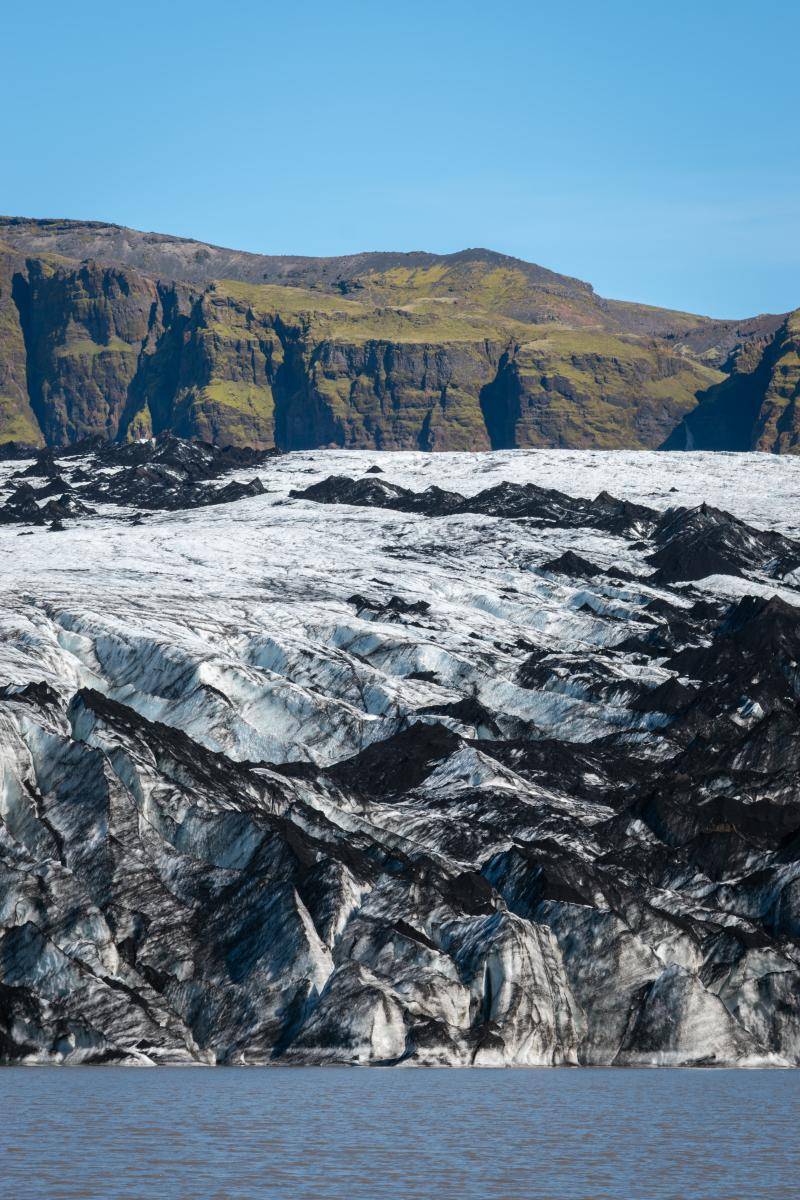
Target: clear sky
652,148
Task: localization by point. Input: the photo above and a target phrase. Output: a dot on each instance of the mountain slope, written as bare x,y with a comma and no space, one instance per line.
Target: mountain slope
758,406
106,331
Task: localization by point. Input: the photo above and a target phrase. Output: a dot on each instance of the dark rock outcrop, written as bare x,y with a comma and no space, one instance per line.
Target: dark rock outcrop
517,501
161,473
696,542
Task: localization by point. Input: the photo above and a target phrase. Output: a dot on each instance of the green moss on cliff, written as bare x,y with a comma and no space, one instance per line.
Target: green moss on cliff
230,412
241,397
17,419
322,316
17,424
139,426
86,348
588,388
778,422
757,407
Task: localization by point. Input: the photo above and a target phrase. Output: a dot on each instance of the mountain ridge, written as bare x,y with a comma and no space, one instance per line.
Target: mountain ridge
128,246
108,331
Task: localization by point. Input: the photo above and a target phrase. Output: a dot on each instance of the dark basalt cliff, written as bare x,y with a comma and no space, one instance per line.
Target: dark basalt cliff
108,332
758,406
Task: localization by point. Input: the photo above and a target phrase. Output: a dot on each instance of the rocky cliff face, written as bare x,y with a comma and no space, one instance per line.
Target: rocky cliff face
584,389
388,395
18,421
112,333
777,425
111,353
83,332
354,769
758,406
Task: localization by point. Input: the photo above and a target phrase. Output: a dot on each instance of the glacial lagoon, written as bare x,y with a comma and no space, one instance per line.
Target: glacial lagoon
102,1133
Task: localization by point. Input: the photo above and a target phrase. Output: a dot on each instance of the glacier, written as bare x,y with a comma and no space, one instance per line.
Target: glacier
335,769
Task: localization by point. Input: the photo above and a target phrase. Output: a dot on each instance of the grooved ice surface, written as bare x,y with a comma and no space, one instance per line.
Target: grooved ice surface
316,782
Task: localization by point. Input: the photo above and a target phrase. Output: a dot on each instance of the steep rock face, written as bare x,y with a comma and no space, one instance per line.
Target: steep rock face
590,389
452,352
778,421
108,352
108,332
83,332
111,353
211,376
384,395
758,406
17,419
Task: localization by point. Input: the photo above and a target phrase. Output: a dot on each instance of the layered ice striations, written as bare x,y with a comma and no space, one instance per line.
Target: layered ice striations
475,759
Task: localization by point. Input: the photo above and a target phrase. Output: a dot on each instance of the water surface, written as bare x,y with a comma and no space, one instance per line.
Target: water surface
331,1134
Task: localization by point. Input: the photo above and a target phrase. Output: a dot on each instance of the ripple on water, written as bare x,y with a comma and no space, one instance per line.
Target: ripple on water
338,1134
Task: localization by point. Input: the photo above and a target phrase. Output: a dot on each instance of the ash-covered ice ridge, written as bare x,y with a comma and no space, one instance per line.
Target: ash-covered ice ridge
350,758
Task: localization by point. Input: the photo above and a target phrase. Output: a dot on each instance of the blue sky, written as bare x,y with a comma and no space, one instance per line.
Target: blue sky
653,149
